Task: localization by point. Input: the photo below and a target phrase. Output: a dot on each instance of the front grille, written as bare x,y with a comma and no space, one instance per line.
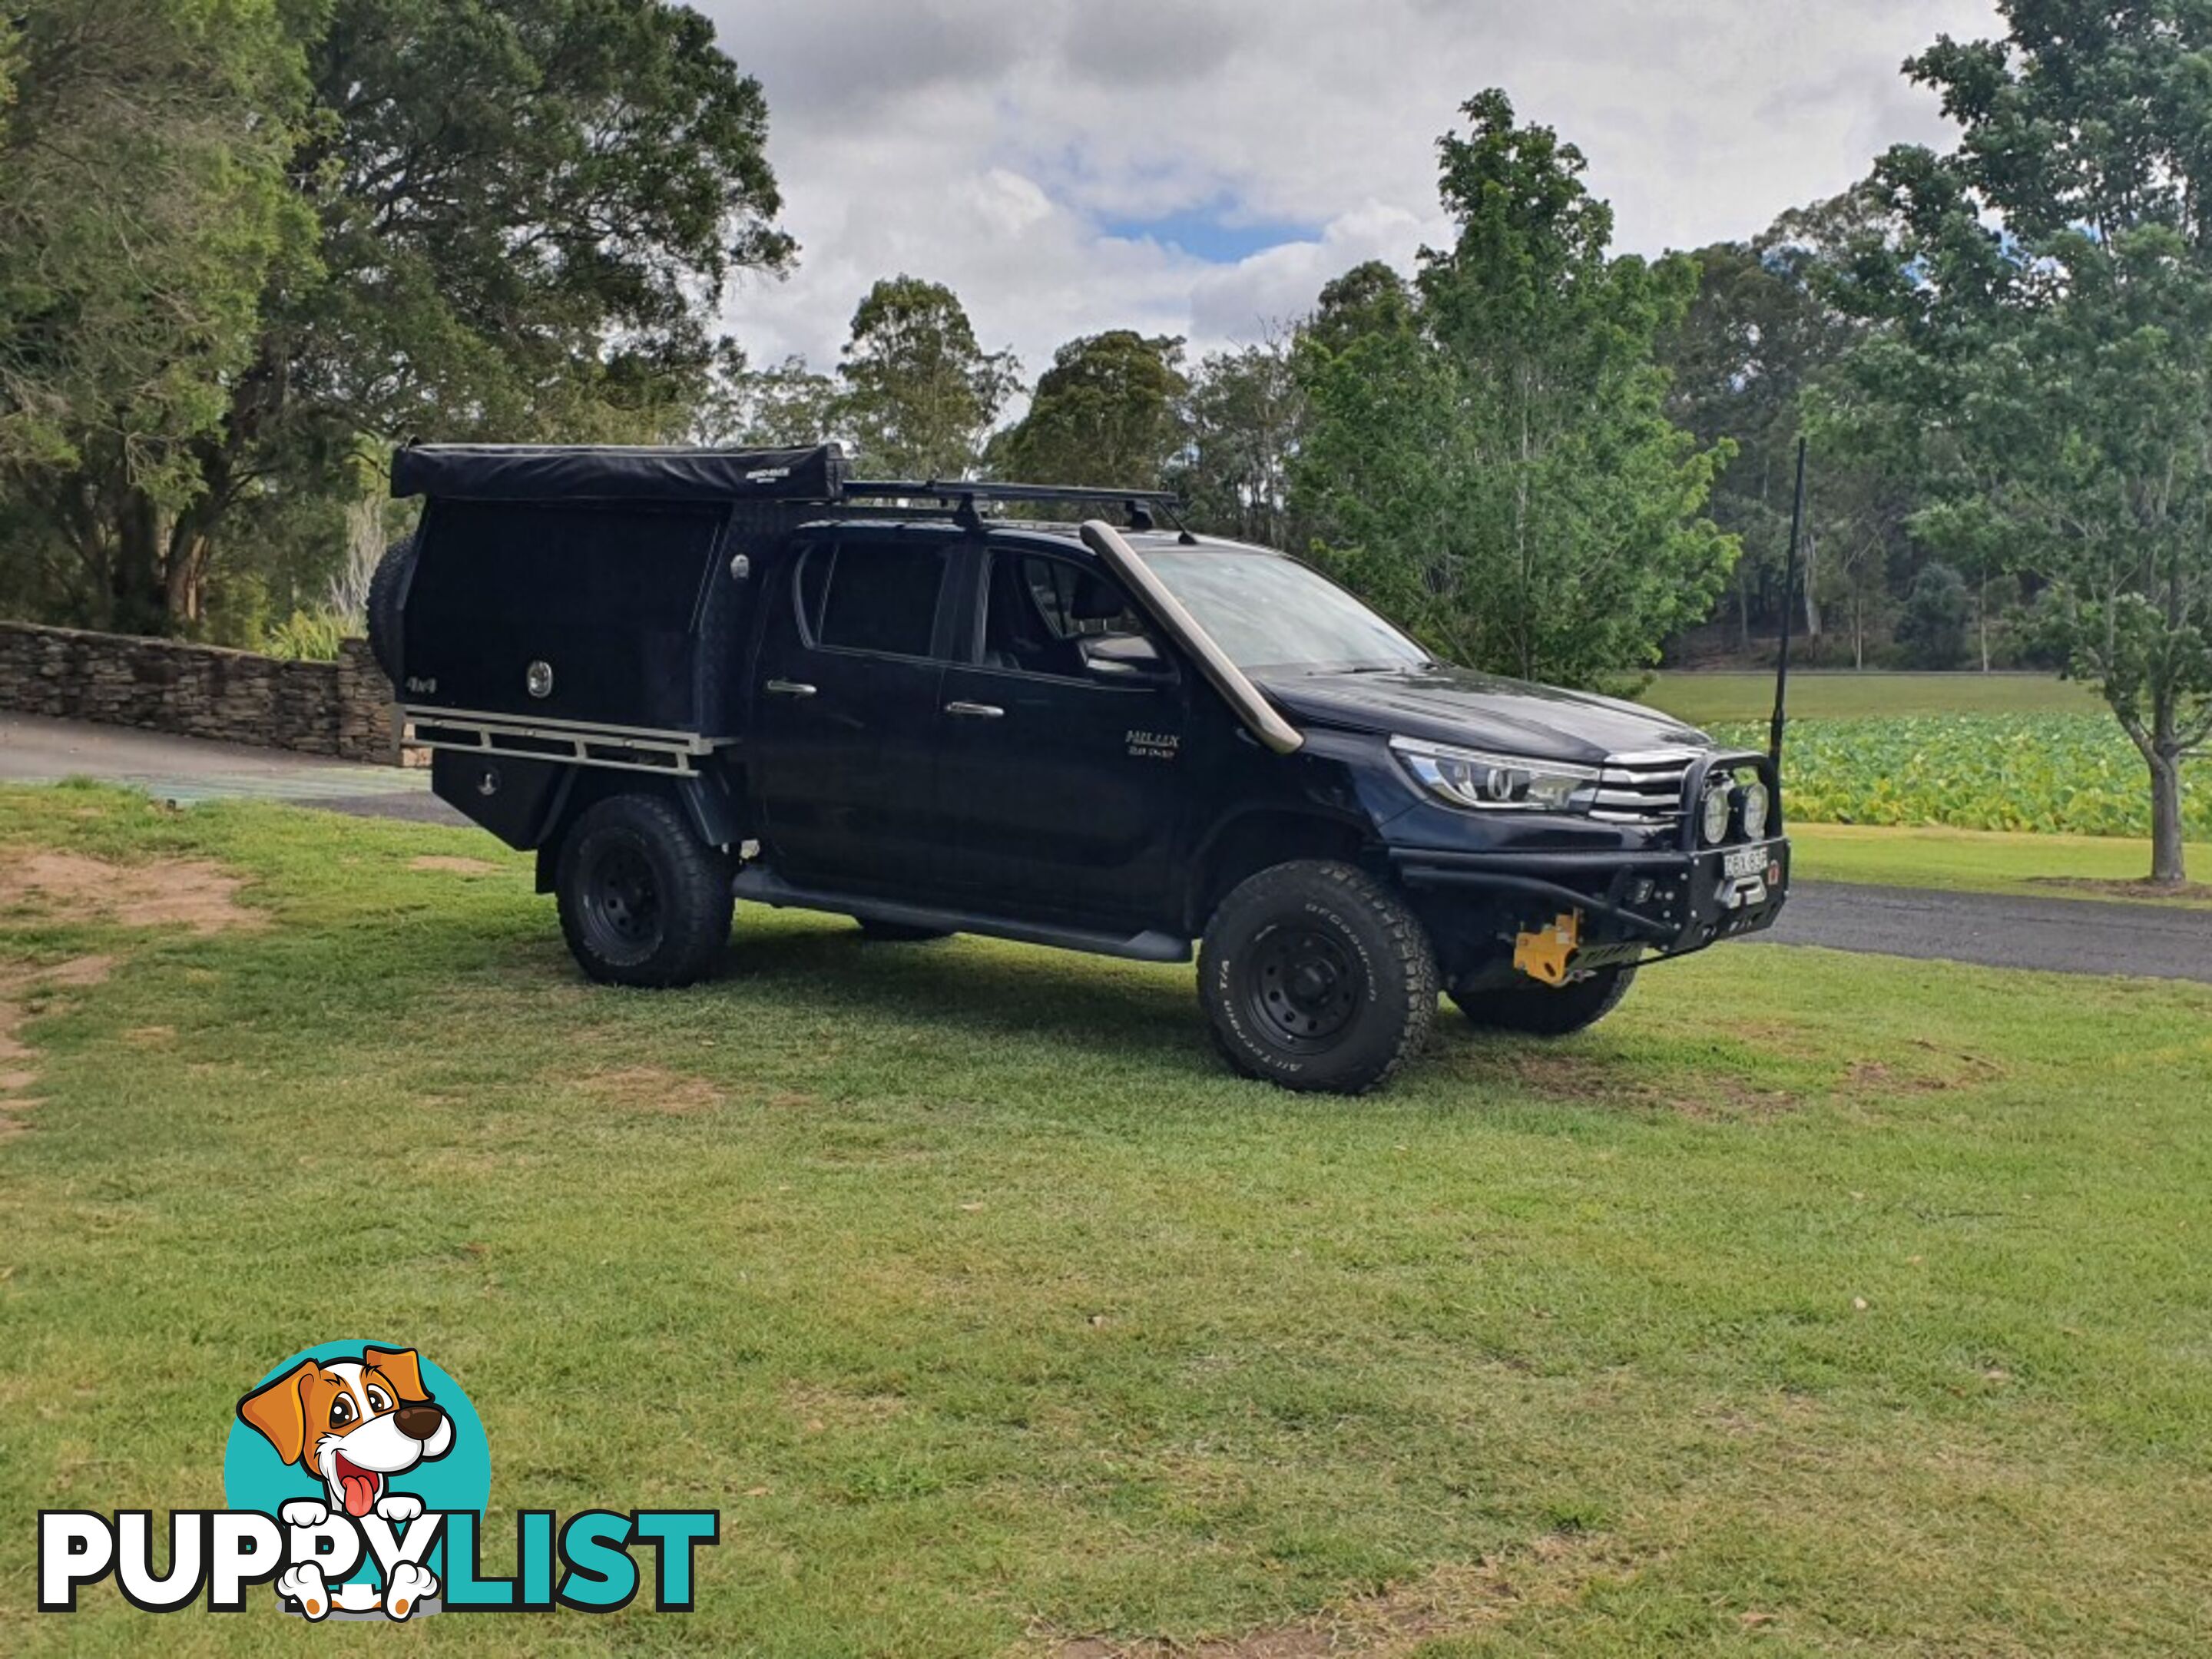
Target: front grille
1643,789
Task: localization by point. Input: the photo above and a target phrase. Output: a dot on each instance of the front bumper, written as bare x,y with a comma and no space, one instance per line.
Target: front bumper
1669,903
1631,903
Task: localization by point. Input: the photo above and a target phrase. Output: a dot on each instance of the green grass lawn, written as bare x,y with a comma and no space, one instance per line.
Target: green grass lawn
1722,699
1812,1304
1977,860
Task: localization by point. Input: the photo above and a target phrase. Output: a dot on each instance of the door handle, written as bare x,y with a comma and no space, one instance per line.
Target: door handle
976,711
787,689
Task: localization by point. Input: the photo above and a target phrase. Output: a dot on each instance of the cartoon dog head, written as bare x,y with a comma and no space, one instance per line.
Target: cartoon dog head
353,1422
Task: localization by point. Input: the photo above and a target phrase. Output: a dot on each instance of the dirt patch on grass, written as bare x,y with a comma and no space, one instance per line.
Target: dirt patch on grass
25,992
651,1089
457,867
1929,1070
1591,1082
817,1408
194,893
1452,1601
2196,891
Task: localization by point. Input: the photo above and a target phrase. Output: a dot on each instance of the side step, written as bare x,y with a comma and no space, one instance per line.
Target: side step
761,886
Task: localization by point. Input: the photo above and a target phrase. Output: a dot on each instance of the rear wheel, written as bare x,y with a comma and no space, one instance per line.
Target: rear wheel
1317,976
643,901
1540,1010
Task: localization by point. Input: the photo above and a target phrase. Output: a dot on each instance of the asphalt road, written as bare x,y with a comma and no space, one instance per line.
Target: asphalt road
185,770
2062,935
2059,935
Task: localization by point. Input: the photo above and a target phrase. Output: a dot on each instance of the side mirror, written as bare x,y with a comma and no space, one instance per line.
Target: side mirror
1129,658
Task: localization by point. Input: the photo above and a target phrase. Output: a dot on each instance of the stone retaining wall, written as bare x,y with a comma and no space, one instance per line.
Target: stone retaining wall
342,708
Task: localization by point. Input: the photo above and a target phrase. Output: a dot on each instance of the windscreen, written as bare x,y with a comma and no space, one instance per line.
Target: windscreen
1268,611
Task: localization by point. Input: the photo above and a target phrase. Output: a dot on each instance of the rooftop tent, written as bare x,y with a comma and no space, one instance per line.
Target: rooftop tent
551,472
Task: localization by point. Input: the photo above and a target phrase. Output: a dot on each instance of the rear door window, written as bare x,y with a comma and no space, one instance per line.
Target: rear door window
880,597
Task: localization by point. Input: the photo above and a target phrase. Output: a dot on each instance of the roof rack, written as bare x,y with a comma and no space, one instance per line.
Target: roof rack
965,493
986,489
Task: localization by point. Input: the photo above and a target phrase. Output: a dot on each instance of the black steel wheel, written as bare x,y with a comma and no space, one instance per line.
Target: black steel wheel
1317,977
1536,1010
643,901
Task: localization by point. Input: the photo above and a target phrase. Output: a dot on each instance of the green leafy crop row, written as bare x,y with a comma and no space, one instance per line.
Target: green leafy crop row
2069,774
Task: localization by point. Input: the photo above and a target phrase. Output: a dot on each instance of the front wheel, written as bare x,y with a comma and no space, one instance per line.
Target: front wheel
1541,1011
1317,976
643,901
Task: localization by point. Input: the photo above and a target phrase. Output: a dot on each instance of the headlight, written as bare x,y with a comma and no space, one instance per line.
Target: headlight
1758,807
1466,777
1715,823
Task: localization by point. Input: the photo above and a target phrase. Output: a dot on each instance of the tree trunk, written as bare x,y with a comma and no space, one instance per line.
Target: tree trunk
1981,618
138,596
2168,865
1811,600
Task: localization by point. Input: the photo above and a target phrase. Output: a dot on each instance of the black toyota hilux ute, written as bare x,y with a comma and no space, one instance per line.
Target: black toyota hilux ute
684,677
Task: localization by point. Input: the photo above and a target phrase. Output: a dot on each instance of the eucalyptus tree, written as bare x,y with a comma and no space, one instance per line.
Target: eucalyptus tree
915,392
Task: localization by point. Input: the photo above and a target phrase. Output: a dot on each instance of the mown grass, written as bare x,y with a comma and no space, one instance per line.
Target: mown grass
1978,861
1724,699
1813,1304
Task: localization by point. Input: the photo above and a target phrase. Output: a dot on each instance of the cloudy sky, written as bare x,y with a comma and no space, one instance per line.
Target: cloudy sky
1201,166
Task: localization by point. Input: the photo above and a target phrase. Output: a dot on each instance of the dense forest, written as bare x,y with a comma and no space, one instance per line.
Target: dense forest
247,246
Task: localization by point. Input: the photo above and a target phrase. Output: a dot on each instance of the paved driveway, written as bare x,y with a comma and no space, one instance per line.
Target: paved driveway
35,749
2059,935
2063,935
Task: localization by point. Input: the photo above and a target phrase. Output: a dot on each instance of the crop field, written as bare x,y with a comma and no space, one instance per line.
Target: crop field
2049,774
1812,1304
2013,752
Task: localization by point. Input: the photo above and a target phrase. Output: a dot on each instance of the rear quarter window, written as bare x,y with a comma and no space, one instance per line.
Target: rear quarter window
878,596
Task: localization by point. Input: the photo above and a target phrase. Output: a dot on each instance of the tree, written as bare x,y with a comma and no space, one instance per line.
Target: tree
2044,294
523,213
1107,413
783,407
1761,329
1933,628
143,209
916,392
1490,454
1242,418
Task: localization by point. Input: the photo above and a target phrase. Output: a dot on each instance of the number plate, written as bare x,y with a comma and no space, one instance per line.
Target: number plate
1744,861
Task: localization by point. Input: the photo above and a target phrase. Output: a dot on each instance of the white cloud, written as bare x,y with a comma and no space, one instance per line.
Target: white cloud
988,144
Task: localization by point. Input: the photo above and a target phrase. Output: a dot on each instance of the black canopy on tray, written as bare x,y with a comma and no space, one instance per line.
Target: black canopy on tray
546,472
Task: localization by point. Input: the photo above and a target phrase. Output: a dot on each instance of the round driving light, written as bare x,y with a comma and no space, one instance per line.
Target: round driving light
538,679
1715,823
1757,807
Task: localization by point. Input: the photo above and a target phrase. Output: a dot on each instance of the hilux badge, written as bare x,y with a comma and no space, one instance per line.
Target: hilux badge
1155,745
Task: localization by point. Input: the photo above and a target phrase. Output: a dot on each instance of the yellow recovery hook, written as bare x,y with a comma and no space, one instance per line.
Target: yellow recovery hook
1545,955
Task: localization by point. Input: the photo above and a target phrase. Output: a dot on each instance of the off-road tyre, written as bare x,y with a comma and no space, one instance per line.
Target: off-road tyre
899,933
387,588
643,900
1540,1011
1315,977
